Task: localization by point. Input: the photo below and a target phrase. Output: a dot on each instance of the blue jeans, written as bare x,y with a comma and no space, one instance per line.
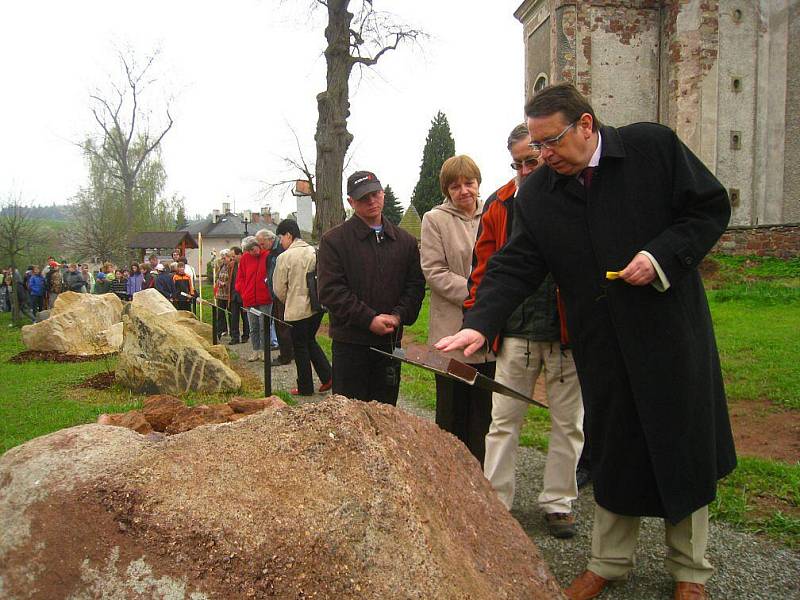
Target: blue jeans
257,326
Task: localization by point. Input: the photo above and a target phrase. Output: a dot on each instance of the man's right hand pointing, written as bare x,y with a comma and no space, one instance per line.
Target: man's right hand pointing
467,339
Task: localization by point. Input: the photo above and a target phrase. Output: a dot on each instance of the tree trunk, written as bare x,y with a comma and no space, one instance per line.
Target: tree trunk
332,137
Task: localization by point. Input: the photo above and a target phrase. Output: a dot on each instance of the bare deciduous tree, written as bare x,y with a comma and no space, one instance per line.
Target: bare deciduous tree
18,231
125,140
354,39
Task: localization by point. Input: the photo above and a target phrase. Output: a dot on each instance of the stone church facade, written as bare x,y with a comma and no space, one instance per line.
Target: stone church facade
724,74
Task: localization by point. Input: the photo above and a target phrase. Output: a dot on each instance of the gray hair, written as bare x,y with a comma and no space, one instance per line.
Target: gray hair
224,252
265,233
249,243
520,132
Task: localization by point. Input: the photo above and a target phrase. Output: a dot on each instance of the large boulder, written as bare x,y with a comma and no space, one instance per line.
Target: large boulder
162,355
79,325
152,300
341,499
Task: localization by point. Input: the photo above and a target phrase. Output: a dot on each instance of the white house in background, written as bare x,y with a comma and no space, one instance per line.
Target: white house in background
224,229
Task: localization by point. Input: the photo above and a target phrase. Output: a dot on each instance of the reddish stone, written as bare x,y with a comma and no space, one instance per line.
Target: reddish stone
132,420
160,410
240,404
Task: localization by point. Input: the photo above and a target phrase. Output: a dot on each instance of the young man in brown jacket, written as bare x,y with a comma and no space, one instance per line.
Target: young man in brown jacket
371,282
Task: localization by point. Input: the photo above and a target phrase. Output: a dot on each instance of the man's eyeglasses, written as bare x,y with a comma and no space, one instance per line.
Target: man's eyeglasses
553,141
528,163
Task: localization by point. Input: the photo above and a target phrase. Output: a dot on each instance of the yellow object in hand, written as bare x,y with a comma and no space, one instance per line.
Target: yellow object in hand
612,274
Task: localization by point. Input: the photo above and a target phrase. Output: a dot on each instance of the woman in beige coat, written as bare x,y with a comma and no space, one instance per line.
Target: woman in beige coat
448,236
291,286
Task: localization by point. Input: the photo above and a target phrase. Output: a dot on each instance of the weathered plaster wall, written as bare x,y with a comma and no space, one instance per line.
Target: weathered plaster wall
538,56
737,68
791,170
618,61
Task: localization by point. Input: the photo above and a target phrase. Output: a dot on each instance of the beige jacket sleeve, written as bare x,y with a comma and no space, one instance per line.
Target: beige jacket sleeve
280,278
433,258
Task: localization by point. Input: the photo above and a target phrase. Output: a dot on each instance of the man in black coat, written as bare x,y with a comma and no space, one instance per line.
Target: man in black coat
371,281
622,219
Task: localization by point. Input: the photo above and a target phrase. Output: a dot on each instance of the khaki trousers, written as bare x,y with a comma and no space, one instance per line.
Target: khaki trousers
614,540
519,370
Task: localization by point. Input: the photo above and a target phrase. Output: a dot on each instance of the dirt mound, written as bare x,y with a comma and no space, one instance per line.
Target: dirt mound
53,356
98,381
167,414
340,499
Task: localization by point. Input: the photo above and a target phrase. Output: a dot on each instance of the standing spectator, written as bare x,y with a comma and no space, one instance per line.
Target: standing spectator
280,334
448,235
235,303
55,283
135,281
190,273
252,287
153,263
23,298
533,340
73,280
636,201
291,286
36,289
183,285
371,282
4,306
102,285
222,290
88,278
119,285
164,282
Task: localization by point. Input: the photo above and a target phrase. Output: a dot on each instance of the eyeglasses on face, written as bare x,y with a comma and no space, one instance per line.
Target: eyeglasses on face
528,163
553,141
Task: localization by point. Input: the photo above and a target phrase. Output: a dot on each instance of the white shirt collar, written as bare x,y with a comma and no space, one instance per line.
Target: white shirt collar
595,160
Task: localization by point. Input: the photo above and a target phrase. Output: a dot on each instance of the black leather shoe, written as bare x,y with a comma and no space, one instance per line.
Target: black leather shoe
233,342
277,362
583,477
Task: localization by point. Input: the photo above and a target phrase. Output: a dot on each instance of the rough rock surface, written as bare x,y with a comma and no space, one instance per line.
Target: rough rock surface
152,300
340,499
164,354
79,325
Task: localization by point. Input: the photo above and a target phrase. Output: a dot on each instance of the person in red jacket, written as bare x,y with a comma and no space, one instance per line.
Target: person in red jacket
252,287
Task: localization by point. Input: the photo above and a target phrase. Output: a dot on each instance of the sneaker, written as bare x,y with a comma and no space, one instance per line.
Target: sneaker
561,525
296,392
256,356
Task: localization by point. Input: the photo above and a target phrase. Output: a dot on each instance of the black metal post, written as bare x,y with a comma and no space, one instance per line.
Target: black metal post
214,324
267,355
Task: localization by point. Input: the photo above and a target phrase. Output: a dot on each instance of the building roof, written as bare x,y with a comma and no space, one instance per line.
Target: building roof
411,222
162,239
229,225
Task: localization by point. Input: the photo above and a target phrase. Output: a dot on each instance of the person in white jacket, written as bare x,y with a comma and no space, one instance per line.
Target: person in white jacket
290,284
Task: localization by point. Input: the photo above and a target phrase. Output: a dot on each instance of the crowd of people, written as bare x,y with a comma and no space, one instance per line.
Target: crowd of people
38,288
582,267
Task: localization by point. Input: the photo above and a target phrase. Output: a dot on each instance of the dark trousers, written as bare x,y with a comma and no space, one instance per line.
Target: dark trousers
37,303
362,374
222,316
308,352
183,305
465,410
284,333
237,314
585,461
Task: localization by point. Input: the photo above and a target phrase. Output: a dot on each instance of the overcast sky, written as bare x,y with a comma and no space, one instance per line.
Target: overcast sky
239,74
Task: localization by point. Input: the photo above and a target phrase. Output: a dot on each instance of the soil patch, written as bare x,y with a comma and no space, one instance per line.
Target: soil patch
52,356
764,430
99,381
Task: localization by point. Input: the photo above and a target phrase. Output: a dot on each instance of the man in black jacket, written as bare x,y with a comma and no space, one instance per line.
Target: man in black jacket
622,219
371,281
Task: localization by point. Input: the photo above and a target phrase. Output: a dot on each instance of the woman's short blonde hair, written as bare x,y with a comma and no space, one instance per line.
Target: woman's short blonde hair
456,167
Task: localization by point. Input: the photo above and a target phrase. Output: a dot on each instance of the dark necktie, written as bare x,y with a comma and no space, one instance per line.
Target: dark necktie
587,175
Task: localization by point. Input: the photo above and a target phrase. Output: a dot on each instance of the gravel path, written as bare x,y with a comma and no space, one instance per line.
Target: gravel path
747,566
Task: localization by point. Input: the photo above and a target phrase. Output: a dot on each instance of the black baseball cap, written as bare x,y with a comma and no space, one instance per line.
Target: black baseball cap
361,183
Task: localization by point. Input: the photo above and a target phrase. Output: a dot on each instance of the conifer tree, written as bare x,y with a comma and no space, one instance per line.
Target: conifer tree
439,146
391,207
